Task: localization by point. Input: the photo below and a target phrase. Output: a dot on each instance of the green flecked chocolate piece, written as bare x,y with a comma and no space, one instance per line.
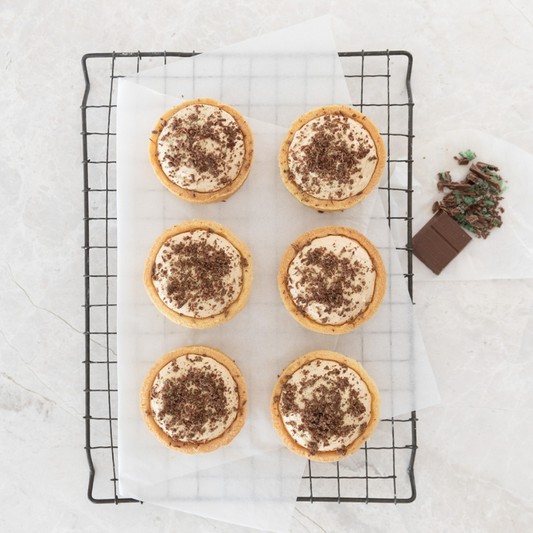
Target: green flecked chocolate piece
468,154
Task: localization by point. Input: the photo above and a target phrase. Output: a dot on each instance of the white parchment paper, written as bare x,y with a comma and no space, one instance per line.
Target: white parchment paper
507,253
275,77
255,480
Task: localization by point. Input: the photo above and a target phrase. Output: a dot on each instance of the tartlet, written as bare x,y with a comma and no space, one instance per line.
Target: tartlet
332,158
332,279
202,150
325,406
194,399
198,274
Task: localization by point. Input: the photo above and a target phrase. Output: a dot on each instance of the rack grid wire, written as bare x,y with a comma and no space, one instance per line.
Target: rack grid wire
378,80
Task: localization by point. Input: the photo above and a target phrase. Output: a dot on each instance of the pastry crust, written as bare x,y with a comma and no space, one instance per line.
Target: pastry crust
288,441
379,286
211,445
195,196
323,204
233,308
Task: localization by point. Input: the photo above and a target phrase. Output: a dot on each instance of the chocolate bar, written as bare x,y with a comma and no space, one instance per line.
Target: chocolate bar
439,241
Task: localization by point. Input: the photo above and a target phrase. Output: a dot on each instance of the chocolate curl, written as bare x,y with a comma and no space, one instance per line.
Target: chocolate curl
444,179
457,186
478,172
487,165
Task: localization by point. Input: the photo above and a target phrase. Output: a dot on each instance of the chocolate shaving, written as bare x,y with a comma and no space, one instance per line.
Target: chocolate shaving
465,157
462,160
444,179
479,172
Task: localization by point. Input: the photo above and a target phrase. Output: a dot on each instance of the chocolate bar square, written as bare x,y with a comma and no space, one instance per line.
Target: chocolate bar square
439,241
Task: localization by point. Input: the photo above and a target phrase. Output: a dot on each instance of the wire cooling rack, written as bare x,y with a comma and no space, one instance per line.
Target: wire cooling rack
381,80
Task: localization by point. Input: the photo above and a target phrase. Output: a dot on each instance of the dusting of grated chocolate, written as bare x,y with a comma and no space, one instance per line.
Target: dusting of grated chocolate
342,450
323,409
192,404
198,273
329,281
193,400
201,148
327,157
340,387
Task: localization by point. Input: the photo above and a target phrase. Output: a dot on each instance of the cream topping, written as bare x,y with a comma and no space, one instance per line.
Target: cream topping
194,399
198,273
331,279
325,406
201,148
332,157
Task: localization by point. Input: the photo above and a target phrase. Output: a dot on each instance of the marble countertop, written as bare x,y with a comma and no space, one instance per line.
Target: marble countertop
472,69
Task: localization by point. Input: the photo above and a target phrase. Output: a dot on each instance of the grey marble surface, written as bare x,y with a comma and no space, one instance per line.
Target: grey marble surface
473,65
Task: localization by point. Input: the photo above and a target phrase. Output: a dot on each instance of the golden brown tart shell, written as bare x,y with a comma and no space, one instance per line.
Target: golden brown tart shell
211,445
322,204
288,441
379,286
195,196
232,309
